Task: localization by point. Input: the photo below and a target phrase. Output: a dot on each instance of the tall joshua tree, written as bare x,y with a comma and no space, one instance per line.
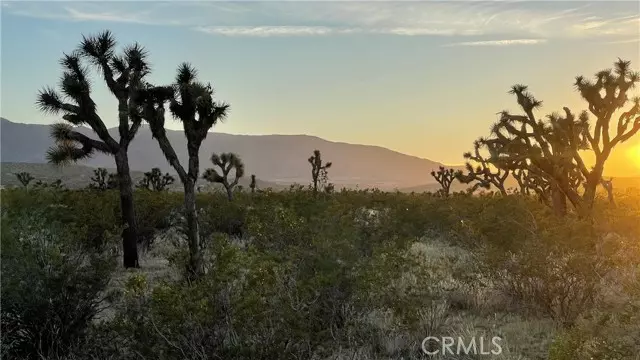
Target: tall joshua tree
318,170
25,178
226,162
154,180
445,178
553,149
123,74
191,102
482,174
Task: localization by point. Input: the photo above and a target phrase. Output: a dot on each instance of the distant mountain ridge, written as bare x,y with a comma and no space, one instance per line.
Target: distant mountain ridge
280,159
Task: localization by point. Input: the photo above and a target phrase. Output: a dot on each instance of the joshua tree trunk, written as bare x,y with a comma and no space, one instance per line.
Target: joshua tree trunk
229,192
559,201
193,230
129,234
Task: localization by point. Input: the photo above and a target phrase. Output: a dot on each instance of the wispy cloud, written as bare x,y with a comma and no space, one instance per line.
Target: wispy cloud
626,41
501,42
104,16
265,31
516,19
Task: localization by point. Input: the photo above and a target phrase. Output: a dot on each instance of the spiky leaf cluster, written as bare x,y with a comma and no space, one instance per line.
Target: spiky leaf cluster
123,73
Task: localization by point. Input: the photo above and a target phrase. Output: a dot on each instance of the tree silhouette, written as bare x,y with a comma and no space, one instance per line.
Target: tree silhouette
445,178
154,180
192,103
226,162
483,173
554,148
25,178
252,185
319,173
102,180
124,75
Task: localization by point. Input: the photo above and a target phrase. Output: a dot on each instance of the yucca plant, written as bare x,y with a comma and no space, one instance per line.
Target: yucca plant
25,178
192,103
252,185
102,180
445,178
319,170
226,162
124,75
154,180
480,172
554,148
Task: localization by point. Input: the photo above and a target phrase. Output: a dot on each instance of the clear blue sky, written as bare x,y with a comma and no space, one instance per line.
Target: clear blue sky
424,78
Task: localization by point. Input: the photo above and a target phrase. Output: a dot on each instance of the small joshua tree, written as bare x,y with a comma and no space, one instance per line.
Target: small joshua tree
319,173
102,180
25,178
154,180
445,178
226,162
482,174
253,183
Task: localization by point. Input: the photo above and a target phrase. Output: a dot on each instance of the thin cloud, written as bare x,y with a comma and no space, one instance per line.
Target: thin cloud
265,31
103,16
516,19
627,41
509,42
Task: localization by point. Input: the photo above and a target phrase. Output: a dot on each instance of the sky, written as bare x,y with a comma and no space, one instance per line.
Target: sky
425,78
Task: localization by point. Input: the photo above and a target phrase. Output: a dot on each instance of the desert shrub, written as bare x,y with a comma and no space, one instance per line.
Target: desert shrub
53,284
553,266
611,331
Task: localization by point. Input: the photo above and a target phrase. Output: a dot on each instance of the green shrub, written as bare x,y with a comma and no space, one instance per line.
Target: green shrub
53,284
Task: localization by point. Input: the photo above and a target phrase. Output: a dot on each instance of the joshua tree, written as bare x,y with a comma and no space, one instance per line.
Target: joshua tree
445,177
482,173
124,75
530,183
191,102
253,183
319,173
553,149
154,180
103,180
226,162
25,178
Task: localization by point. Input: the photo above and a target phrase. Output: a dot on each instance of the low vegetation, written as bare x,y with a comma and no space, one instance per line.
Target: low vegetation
355,274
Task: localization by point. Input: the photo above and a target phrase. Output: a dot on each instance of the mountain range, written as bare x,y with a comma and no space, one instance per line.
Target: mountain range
277,159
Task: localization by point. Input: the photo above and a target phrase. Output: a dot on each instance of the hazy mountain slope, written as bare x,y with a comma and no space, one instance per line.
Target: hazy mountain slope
79,176
275,158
